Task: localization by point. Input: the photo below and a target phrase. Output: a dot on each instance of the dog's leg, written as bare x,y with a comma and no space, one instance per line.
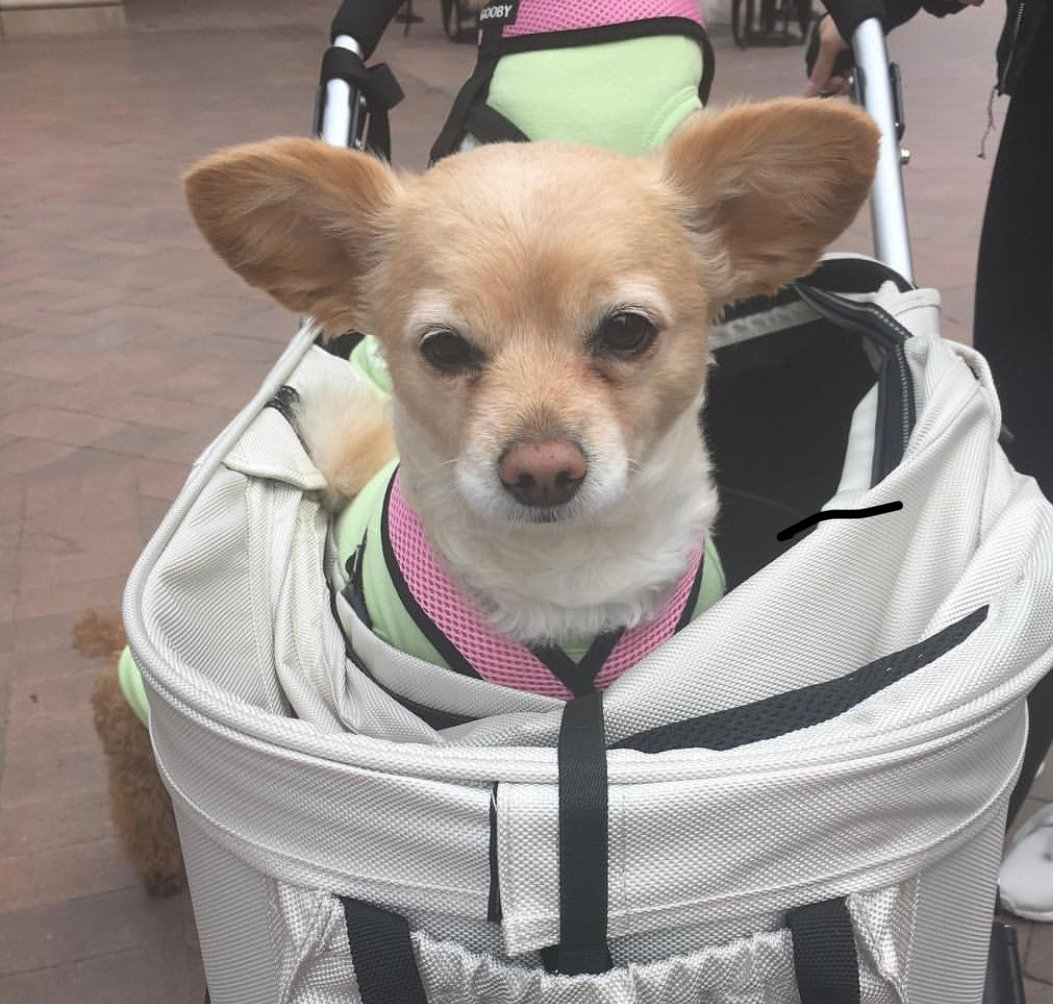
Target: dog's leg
139,804
345,425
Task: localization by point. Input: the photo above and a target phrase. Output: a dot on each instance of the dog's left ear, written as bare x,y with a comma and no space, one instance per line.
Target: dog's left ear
767,187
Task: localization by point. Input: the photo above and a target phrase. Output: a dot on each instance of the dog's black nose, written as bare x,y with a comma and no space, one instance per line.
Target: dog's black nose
542,473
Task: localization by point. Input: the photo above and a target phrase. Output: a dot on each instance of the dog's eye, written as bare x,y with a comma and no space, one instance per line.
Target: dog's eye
625,334
447,352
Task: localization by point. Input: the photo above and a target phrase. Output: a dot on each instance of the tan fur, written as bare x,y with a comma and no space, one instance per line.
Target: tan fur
524,249
522,240
530,248
774,182
139,804
294,217
350,462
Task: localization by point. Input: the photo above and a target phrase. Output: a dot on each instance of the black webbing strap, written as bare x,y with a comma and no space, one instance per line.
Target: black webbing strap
488,125
578,677
824,953
709,68
382,954
475,89
377,84
583,865
493,906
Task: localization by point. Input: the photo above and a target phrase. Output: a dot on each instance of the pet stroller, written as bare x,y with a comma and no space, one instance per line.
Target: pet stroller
800,797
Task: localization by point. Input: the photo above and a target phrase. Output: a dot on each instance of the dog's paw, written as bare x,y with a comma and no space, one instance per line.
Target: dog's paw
344,423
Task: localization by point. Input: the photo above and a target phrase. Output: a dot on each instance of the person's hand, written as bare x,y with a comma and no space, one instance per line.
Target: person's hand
823,82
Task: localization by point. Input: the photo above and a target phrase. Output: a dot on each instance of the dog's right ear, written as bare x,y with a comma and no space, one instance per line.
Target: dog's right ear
302,220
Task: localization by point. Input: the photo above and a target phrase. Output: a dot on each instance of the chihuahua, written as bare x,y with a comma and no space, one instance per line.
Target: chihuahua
542,310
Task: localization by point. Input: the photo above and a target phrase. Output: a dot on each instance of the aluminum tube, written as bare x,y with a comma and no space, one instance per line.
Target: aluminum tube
338,125
888,209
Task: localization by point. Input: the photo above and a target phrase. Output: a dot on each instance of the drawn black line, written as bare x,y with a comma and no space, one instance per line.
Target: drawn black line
818,517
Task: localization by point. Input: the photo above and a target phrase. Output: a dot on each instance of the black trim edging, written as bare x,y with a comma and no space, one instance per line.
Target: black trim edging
792,710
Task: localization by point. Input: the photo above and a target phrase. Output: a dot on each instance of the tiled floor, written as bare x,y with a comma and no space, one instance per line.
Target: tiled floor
124,347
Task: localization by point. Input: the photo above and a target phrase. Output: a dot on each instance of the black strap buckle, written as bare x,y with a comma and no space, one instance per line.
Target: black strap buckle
373,86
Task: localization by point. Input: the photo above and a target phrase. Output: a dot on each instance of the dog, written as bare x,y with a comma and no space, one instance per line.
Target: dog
542,310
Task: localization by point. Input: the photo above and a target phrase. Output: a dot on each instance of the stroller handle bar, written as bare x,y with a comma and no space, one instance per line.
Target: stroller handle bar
848,15
364,21
863,22
342,109
353,101
874,91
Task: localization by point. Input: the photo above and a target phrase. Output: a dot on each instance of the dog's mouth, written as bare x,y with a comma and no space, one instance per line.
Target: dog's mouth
499,508
551,514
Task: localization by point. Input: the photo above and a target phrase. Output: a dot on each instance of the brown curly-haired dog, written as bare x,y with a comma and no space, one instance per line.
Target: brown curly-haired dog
139,804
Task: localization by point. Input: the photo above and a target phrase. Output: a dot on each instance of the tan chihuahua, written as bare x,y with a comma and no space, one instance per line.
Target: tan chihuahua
543,311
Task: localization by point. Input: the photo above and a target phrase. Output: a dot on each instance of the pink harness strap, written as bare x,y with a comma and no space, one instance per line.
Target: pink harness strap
536,17
492,657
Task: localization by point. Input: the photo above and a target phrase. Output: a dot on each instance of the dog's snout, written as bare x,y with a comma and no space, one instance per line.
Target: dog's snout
542,472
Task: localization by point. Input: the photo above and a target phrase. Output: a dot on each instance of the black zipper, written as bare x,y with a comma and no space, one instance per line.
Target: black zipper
1012,46
887,332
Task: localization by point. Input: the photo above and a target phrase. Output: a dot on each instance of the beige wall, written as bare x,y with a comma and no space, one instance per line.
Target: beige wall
59,17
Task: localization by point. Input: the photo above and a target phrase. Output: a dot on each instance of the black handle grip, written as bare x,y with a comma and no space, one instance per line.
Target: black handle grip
850,14
364,21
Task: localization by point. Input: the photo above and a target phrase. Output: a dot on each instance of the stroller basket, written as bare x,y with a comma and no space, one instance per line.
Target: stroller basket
809,779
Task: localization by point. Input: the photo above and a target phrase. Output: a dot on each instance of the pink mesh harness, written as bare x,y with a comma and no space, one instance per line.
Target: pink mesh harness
497,659
537,17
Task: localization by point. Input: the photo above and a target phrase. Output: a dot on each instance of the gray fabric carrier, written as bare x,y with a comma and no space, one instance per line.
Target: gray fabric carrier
800,797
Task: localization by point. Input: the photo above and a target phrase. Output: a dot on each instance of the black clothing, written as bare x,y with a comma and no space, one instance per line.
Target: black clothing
1019,47
1013,325
1024,19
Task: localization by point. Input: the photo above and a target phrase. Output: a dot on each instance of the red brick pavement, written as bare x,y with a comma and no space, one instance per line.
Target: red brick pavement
124,348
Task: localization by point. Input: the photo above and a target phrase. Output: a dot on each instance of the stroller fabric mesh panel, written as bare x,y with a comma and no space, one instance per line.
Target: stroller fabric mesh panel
842,728
551,15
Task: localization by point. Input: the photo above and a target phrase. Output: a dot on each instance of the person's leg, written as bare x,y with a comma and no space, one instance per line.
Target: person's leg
1014,310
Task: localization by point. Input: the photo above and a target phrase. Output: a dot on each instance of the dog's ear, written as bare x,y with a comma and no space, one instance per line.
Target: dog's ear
768,186
295,217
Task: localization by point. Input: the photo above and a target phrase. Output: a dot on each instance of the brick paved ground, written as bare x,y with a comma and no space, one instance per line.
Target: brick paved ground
124,348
